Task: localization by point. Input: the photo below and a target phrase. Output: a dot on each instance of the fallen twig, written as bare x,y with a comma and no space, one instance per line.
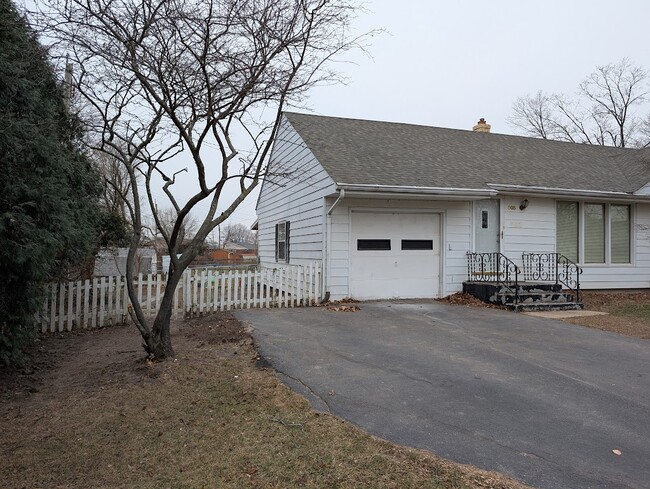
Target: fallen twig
289,425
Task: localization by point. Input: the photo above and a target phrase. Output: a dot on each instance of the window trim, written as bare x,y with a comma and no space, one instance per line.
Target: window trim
285,241
608,233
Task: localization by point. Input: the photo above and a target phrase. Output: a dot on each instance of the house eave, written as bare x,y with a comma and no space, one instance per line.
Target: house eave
493,190
406,191
561,193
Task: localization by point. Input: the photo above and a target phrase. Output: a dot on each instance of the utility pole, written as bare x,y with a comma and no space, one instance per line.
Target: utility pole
68,89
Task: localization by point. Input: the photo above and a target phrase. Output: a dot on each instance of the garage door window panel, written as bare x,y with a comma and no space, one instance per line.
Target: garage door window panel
417,244
373,245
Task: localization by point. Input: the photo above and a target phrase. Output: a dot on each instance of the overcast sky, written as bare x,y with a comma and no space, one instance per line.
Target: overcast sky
449,63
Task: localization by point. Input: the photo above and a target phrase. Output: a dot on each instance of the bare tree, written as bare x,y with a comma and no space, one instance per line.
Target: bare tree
167,219
239,233
610,109
116,185
195,83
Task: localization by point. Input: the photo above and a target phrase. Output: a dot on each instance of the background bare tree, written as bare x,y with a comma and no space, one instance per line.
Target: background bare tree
610,109
116,185
167,220
200,81
239,233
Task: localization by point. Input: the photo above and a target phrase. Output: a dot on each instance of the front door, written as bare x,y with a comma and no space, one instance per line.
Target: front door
487,226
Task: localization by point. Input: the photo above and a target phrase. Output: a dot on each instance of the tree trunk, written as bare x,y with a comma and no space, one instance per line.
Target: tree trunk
159,344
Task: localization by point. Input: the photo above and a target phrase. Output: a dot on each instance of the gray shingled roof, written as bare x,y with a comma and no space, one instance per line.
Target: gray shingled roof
385,153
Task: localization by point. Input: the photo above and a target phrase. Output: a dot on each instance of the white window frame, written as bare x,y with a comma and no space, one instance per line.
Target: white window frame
285,227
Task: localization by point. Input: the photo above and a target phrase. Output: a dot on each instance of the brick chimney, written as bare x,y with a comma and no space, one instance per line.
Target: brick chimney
482,126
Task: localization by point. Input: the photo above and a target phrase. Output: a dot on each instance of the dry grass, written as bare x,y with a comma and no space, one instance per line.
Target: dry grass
102,417
628,312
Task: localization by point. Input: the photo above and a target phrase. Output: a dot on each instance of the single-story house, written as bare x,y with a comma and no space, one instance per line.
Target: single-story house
392,210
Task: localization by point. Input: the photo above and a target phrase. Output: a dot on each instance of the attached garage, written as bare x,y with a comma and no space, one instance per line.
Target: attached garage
394,254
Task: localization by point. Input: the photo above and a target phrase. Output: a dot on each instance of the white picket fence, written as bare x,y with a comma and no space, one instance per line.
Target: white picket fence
104,301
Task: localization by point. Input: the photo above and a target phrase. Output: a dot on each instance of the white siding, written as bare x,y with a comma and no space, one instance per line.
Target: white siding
530,230
297,197
456,240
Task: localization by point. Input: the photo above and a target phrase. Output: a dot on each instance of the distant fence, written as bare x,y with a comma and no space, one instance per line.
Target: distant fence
104,301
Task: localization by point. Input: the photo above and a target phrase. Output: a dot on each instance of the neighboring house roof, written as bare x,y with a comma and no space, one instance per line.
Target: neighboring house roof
374,153
239,245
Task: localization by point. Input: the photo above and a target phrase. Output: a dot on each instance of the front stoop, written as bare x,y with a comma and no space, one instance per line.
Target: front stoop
533,296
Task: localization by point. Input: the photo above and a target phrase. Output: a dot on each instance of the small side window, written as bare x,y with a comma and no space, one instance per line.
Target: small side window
373,244
282,242
484,219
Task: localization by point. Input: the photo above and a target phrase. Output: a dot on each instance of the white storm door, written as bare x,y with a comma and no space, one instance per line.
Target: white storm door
394,255
487,226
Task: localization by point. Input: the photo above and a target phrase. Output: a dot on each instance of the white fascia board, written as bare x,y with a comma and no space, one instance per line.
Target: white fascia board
372,190
566,192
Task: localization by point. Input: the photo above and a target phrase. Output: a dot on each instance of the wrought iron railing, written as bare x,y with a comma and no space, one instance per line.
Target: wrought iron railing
494,267
552,267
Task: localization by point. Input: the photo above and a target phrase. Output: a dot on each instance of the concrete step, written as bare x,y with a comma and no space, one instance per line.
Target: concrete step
545,306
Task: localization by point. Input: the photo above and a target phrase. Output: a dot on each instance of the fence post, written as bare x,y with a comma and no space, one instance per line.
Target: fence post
298,297
109,304
235,293
45,309
320,276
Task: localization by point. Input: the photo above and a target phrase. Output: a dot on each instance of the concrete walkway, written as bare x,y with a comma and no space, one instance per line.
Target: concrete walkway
543,401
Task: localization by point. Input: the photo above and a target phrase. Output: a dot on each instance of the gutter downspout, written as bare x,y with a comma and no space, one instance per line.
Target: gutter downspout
326,242
336,202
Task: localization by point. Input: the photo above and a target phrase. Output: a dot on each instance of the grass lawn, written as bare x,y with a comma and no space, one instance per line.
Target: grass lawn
90,412
636,310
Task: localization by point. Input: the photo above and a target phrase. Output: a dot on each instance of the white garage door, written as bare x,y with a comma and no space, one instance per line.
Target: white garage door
394,255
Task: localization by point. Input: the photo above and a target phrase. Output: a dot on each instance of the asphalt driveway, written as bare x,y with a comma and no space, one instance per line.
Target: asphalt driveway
540,400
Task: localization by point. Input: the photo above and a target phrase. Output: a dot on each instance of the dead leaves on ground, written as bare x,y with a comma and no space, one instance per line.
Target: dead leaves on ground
344,305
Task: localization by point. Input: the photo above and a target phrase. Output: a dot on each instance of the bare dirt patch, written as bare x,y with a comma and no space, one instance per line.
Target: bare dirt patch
100,415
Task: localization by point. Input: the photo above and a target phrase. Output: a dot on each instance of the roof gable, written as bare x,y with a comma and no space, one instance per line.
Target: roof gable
383,153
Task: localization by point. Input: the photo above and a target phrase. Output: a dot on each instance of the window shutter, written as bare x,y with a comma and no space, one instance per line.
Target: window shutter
620,233
287,234
566,240
276,241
